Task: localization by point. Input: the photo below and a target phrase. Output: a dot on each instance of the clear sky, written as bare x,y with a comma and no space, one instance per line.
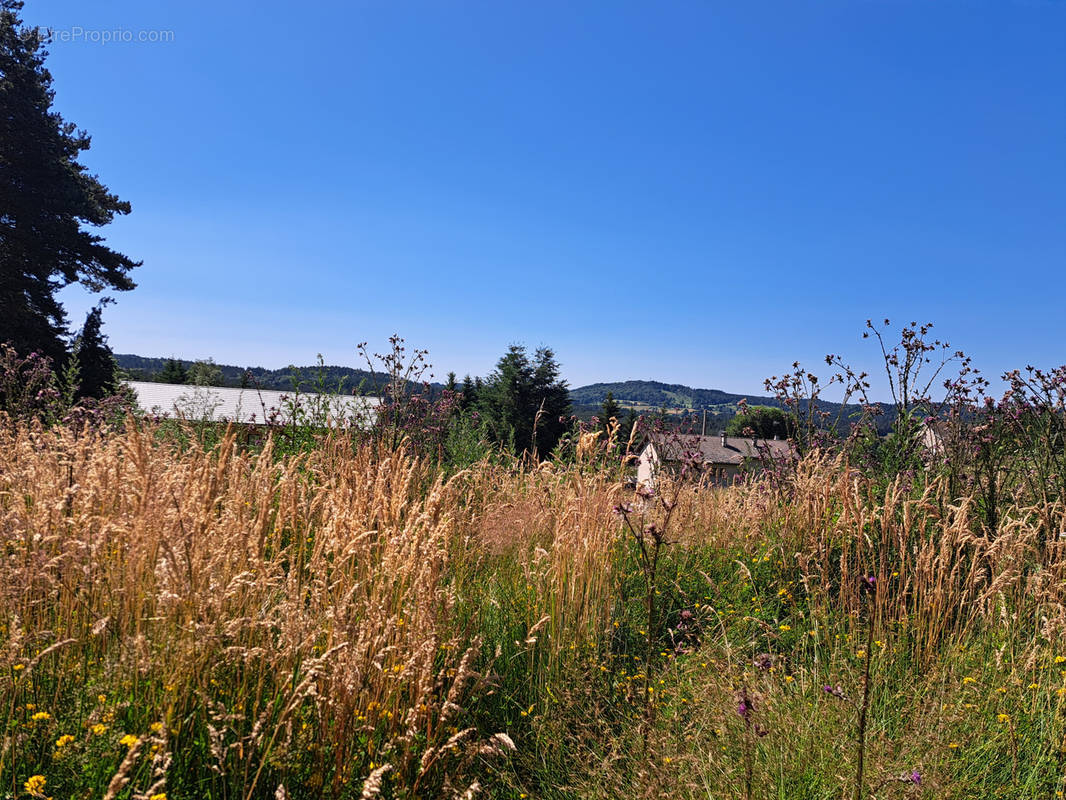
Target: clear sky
694,192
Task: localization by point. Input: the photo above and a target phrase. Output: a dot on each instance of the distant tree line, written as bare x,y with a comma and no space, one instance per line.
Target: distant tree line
205,372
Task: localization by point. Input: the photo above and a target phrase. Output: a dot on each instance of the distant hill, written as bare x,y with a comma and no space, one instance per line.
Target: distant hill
653,395
339,380
676,398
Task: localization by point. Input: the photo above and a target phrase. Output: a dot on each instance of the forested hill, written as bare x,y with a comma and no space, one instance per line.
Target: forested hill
653,394
678,399
335,379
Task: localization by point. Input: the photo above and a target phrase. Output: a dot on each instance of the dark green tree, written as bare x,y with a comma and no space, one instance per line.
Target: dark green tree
764,422
46,197
524,402
206,372
609,410
173,372
97,370
470,390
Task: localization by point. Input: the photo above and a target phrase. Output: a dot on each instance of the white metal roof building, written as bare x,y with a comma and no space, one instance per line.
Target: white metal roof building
251,406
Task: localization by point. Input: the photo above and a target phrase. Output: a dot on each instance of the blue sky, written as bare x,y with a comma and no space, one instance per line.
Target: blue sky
692,192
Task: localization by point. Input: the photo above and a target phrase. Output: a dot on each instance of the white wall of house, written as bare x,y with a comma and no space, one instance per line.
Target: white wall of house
647,465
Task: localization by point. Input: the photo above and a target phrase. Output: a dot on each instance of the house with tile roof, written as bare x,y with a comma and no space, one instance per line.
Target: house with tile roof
720,457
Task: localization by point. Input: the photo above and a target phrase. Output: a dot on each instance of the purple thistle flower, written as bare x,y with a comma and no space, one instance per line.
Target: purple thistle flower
745,706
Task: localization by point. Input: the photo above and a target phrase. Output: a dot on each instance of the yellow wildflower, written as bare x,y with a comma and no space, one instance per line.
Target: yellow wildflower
1034,685
968,679
99,729
160,796
64,740
156,727
35,785
953,745
1060,659
101,698
1003,717
784,627
17,667
129,740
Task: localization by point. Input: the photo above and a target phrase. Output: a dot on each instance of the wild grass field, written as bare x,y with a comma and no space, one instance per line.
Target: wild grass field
181,620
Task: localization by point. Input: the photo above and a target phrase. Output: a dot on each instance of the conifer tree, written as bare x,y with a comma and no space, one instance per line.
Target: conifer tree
96,363
46,199
173,372
609,410
525,402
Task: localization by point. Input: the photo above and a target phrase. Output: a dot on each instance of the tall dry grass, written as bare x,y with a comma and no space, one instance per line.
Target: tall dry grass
276,616
350,621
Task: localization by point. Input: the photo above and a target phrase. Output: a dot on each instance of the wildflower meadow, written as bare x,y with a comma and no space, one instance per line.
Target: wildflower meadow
188,619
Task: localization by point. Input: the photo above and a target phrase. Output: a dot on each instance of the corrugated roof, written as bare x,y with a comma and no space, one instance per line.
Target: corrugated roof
720,449
223,404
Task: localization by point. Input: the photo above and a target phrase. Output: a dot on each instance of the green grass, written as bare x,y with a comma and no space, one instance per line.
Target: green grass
393,619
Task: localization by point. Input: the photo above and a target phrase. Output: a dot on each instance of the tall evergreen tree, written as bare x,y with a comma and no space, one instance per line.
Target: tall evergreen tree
46,196
173,372
525,402
609,410
96,362
469,394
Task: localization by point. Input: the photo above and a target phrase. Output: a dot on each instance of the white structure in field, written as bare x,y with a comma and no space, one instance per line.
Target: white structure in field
251,406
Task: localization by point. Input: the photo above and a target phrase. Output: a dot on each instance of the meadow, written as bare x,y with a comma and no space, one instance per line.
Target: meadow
181,619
